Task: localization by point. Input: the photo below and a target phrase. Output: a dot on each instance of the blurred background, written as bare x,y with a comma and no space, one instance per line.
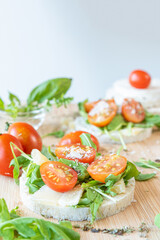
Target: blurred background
95,42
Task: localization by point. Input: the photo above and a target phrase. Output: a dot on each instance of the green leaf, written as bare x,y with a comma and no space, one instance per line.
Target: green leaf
33,228
57,134
80,168
117,123
49,90
95,202
148,164
2,106
157,220
82,110
86,140
34,179
130,172
46,151
145,177
62,101
14,100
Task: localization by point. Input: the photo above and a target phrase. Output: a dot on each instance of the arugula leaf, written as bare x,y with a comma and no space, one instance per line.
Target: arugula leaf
117,123
157,220
148,164
57,134
95,202
86,140
46,151
14,100
80,168
49,90
82,110
62,101
144,177
34,179
33,228
130,171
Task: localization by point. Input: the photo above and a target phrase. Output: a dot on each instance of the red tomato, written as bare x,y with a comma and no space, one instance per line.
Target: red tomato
139,79
106,165
101,116
133,111
77,152
27,135
74,137
89,105
6,154
58,176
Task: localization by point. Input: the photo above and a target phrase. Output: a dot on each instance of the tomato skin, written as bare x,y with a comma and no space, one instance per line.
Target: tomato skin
27,135
86,154
106,165
89,105
6,154
74,137
139,79
58,176
107,117
132,111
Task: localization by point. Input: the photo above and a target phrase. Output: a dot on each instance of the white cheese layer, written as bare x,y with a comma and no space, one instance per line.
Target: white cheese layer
149,97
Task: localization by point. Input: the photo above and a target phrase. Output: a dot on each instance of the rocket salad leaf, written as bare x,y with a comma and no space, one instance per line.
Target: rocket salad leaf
32,228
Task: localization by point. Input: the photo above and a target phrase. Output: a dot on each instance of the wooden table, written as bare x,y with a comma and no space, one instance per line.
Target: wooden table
147,194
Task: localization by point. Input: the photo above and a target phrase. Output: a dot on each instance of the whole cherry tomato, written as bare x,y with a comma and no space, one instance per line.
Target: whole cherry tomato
27,135
139,79
6,154
74,137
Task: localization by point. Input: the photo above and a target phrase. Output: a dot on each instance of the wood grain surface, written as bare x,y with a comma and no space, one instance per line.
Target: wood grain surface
147,194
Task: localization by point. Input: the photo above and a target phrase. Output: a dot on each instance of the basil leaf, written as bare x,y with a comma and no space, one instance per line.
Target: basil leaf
145,177
57,134
157,220
86,140
2,106
48,90
80,168
14,99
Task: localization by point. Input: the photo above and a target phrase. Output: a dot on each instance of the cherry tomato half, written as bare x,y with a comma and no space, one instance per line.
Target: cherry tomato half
89,105
106,165
6,154
139,79
27,135
133,111
77,152
58,176
74,137
103,113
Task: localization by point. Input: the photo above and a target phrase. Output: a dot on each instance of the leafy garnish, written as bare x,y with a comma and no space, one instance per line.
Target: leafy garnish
57,134
34,180
80,168
157,220
145,177
86,140
32,228
148,164
82,110
117,123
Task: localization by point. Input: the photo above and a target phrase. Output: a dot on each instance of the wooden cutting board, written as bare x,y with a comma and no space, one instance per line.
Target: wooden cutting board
147,194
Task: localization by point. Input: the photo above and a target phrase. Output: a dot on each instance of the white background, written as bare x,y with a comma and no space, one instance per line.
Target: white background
93,41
